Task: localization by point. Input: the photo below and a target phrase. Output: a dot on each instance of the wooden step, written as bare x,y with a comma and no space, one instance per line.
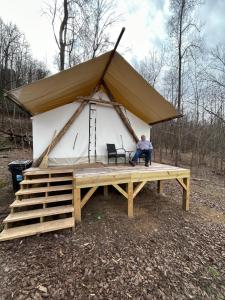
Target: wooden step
41,200
44,189
43,180
36,171
22,231
37,213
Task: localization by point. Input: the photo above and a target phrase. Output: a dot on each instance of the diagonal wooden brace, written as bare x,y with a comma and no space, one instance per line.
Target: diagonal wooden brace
181,182
88,196
185,184
139,187
116,186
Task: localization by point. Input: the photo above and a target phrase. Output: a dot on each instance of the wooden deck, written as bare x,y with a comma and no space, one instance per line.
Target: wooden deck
55,193
115,175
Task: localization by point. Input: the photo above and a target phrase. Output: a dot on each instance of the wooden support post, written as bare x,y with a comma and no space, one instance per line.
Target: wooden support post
186,194
77,204
73,204
159,187
106,191
130,199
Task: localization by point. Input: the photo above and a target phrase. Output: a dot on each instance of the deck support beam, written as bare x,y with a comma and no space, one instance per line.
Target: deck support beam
106,191
139,187
119,189
159,187
77,204
186,194
130,199
88,196
185,184
181,182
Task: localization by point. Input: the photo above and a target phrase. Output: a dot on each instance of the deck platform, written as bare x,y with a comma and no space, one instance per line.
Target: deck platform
51,199
115,175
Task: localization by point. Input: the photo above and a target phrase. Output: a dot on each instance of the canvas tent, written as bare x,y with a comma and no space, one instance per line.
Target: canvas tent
53,100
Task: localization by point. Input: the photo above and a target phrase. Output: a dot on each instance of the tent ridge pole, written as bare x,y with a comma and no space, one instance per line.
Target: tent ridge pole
109,60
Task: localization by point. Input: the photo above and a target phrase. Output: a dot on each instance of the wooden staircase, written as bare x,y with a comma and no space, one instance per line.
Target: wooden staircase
44,203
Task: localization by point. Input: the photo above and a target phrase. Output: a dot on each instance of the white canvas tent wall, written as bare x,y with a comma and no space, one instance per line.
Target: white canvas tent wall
109,129
52,99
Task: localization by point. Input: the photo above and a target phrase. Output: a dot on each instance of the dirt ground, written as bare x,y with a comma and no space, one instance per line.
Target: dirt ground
163,253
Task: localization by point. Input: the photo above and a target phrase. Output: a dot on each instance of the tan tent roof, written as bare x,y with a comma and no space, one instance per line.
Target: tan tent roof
126,85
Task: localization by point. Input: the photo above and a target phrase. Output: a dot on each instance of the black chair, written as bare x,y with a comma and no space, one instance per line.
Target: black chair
112,153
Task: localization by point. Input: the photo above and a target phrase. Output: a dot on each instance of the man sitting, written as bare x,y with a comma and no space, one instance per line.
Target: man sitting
143,147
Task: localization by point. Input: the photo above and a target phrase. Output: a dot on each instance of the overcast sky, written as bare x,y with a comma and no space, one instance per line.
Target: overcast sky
145,22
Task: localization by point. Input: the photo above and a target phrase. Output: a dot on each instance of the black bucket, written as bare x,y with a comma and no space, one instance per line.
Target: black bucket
16,168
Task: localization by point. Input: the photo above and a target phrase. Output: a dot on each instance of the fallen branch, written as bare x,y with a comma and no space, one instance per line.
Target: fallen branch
12,135
5,148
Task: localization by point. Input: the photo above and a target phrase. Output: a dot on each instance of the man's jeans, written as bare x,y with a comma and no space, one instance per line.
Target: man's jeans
138,154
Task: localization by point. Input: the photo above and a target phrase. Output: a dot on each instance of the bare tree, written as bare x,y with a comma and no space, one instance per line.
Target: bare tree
101,17
182,29
60,17
83,28
151,67
17,67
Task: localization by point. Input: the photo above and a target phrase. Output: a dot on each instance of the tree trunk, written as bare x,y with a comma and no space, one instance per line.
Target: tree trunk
178,148
63,35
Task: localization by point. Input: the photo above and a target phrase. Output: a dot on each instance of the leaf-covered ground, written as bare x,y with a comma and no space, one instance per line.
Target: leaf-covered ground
163,253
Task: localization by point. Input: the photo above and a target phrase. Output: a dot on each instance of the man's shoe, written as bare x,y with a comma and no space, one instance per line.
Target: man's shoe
147,164
132,163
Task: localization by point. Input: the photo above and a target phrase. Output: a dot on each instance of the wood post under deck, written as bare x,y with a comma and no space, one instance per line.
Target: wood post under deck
130,198
159,187
105,177
77,204
185,184
106,191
